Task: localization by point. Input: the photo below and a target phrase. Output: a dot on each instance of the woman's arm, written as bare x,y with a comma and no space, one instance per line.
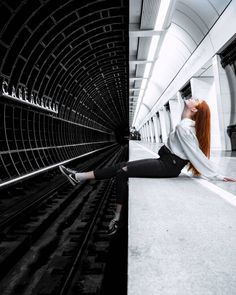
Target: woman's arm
195,155
229,179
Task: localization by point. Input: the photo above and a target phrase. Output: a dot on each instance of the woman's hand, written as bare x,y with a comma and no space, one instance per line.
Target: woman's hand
229,179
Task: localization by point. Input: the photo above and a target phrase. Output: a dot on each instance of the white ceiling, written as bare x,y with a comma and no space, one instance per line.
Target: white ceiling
188,22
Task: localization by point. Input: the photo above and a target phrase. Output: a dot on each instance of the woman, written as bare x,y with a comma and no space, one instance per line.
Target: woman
188,144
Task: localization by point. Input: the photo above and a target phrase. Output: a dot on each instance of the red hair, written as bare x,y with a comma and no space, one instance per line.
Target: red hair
202,126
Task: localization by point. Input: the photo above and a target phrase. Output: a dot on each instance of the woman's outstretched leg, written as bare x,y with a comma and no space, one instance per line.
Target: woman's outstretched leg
82,176
108,172
76,177
156,167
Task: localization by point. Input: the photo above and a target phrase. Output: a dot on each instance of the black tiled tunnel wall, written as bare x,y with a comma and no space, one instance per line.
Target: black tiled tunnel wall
74,53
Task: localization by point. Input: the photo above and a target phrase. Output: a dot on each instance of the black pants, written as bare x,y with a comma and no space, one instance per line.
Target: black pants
168,165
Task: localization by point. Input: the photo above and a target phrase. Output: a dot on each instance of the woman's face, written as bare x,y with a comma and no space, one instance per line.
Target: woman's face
192,103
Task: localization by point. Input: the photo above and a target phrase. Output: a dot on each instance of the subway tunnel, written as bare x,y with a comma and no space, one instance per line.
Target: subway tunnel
93,83
70,61
64,100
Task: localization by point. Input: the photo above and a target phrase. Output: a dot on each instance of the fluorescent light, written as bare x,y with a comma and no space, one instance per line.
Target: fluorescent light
141,93
151,54
147,70
159,24
144,83
152,48
162,13
139,100
138,103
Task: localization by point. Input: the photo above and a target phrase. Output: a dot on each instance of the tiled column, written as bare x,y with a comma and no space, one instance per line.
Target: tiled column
144,133
151,130
147,131
175,111
163,124
156,129
141,132
204,88
168,119
159,126
222,94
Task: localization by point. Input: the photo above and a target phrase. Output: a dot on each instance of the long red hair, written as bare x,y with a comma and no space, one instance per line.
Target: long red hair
202,125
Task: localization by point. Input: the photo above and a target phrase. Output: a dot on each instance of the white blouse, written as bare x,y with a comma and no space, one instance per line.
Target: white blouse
183,142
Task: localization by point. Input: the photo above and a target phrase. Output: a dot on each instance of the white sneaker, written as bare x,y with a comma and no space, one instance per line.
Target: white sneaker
112,227
70,174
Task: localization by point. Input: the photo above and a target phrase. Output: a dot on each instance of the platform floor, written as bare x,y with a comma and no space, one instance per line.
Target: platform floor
182,232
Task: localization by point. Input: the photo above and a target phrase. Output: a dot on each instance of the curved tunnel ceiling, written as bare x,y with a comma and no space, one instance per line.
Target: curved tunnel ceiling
189,23
73,52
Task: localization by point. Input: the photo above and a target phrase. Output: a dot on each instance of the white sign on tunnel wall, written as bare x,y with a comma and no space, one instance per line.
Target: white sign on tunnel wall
44,103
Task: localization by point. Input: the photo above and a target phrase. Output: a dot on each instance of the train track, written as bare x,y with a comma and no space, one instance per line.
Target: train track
59,236
18,203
